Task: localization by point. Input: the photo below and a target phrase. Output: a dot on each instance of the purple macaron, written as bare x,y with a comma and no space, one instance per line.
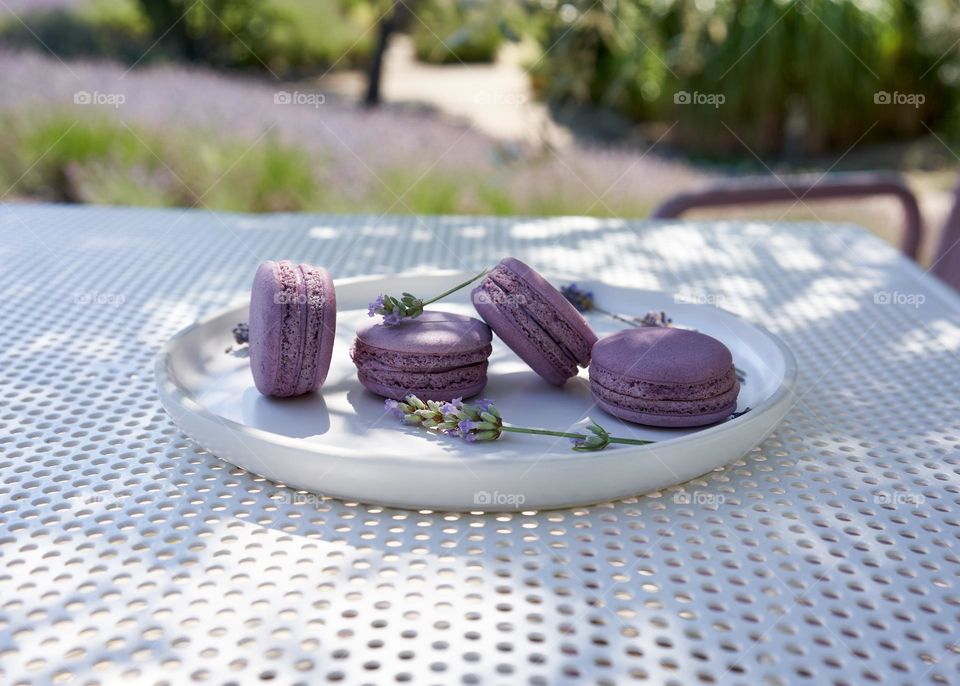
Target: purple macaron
535,320
293,319
664,377
436,356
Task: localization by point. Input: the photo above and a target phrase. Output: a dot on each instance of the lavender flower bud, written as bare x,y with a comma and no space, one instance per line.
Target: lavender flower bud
452,407
415,402
653,318
580,299
375,307
394,408
241,333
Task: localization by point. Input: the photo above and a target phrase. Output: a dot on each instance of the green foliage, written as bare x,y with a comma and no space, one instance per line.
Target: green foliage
276,35
453,31
99,160
791,74
109,28
286,37
308,33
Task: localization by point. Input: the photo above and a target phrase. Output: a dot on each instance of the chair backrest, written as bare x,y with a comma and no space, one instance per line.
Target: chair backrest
946,260
770,189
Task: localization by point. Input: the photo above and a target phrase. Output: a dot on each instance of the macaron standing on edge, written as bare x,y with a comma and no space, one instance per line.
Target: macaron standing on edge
293,320
664,377
435,356
534,320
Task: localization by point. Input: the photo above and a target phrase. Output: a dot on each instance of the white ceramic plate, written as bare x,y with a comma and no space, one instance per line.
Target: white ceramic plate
340,442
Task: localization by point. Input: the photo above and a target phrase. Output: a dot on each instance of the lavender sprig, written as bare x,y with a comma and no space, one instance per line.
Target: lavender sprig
480,421
584,302
241,336
408,306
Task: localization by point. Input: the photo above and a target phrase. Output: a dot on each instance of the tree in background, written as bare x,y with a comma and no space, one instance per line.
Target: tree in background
392,19
787,77
286,37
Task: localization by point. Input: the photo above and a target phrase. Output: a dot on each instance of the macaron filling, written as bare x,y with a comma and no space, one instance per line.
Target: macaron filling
293,322
365,354
679,406
454,379
664,391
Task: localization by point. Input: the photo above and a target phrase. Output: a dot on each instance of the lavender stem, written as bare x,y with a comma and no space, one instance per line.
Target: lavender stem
564,434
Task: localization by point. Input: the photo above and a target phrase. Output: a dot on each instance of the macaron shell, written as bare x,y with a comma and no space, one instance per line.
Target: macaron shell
662,355
433,332
319,303
268,342
574,331
534,320
510,324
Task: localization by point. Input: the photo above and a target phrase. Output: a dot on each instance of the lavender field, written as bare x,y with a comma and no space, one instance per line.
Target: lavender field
180,136
190,124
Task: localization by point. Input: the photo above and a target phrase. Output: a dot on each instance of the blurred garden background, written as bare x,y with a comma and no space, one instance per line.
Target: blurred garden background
518,107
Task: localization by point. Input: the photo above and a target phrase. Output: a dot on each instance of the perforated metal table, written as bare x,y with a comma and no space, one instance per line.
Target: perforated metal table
827,555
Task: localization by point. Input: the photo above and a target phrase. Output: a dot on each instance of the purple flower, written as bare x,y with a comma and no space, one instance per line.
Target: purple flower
241,333
654,318
466,426
393,407
392,319
484,404
452,407
469,438
374,306
580,299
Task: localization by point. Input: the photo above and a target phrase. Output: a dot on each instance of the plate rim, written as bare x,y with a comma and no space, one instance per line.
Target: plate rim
172,392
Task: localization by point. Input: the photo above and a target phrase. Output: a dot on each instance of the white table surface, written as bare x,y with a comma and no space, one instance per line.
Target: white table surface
830,554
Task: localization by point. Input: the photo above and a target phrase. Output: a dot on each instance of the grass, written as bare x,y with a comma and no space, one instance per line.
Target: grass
99,160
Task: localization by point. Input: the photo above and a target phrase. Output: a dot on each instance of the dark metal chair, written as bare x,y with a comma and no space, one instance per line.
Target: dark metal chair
763,190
